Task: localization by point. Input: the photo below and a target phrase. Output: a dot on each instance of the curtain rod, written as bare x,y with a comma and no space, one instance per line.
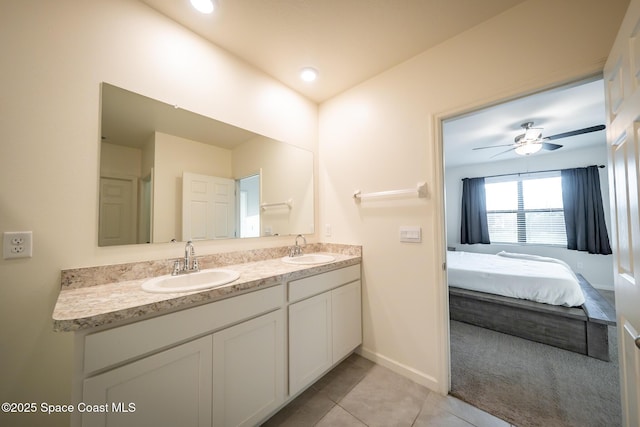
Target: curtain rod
522,173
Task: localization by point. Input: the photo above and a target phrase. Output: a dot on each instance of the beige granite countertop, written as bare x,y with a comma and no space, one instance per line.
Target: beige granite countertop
97,296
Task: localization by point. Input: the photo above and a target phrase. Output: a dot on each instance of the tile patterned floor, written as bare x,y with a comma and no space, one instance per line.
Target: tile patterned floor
360,393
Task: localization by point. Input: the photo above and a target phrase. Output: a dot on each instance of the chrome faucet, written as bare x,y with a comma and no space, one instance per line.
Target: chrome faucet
190,263
296,250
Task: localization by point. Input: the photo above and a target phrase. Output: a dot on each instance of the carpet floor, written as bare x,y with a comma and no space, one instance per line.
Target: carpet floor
530,384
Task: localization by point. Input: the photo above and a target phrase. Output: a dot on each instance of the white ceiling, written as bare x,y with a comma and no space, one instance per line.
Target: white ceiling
350,41
557,111
347,41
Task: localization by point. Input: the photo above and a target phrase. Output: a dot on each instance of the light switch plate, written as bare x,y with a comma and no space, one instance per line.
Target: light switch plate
410,234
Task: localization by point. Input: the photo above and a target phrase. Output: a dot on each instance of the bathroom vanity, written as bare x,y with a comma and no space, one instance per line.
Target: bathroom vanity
230,356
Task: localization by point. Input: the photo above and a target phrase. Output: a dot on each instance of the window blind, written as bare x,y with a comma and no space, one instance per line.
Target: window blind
526,209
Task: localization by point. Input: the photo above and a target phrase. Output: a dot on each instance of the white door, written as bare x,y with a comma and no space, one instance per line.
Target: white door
117,224
208,207
171,388
248,371
622,86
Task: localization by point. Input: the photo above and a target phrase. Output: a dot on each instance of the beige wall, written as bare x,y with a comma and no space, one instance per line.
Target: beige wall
116,160
385,134
285,175
54,56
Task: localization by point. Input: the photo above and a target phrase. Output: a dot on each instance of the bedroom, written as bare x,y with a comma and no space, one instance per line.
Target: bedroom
575,107
582,106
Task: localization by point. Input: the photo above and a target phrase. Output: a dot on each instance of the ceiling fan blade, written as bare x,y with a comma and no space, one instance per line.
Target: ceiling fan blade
576,132
502,152
494,146
549,146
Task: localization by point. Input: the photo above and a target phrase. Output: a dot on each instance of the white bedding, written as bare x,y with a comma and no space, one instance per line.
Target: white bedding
523,276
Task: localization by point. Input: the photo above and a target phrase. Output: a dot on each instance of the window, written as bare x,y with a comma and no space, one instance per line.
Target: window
526,210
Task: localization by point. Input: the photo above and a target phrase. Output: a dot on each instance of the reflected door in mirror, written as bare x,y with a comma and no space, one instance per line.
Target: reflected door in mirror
208,205
117,211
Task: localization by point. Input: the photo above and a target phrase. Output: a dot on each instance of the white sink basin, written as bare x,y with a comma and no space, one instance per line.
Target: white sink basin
204,279
307,259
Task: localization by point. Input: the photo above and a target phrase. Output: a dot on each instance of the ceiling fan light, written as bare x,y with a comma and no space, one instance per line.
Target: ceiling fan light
527,149
532,134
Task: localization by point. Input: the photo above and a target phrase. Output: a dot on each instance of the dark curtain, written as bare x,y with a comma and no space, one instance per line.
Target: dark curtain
583,212
474,228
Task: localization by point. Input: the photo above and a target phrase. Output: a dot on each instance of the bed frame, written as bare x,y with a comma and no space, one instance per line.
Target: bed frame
582,329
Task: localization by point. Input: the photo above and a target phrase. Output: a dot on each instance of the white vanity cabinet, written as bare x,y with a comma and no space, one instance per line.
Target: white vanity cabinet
310,352
227,363
170,388
325,323
249,370
346,319
220,364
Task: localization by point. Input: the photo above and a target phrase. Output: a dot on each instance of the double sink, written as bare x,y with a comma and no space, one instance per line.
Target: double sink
215,277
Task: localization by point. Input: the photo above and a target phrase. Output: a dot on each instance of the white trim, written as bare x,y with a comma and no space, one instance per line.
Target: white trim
603,287
401,369
440,251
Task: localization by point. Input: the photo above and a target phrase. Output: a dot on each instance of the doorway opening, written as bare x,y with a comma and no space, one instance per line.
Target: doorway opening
505,375
248,189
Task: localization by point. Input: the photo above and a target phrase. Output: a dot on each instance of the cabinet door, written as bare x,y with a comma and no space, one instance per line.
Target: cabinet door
309,340
248,370
169,388
346,315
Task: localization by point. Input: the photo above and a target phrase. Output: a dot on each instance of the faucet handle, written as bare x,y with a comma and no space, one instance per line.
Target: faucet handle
176,268
195,264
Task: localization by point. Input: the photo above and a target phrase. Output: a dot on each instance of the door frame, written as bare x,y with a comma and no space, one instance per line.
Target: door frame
258,173
439,183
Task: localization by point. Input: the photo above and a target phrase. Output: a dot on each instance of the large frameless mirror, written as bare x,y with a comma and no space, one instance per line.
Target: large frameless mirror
167,174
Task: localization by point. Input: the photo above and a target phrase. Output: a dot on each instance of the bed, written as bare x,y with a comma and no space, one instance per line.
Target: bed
532,297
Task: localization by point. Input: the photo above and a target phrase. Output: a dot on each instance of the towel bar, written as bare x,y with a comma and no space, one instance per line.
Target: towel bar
420,190
288,204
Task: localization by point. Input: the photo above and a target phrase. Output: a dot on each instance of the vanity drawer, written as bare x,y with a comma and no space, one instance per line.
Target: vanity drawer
112,346
309,286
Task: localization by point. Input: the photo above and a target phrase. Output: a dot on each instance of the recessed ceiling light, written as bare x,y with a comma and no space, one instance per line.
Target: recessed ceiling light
309,74
204,6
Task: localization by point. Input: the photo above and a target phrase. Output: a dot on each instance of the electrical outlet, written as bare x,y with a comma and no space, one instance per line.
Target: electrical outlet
17,244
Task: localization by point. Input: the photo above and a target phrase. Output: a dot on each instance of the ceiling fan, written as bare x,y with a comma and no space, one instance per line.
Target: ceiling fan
531,141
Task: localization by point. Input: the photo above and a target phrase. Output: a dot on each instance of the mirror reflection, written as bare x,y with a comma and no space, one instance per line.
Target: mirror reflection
167,174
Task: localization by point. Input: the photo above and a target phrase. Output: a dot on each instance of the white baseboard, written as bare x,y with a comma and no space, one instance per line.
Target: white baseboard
603,287
400,369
